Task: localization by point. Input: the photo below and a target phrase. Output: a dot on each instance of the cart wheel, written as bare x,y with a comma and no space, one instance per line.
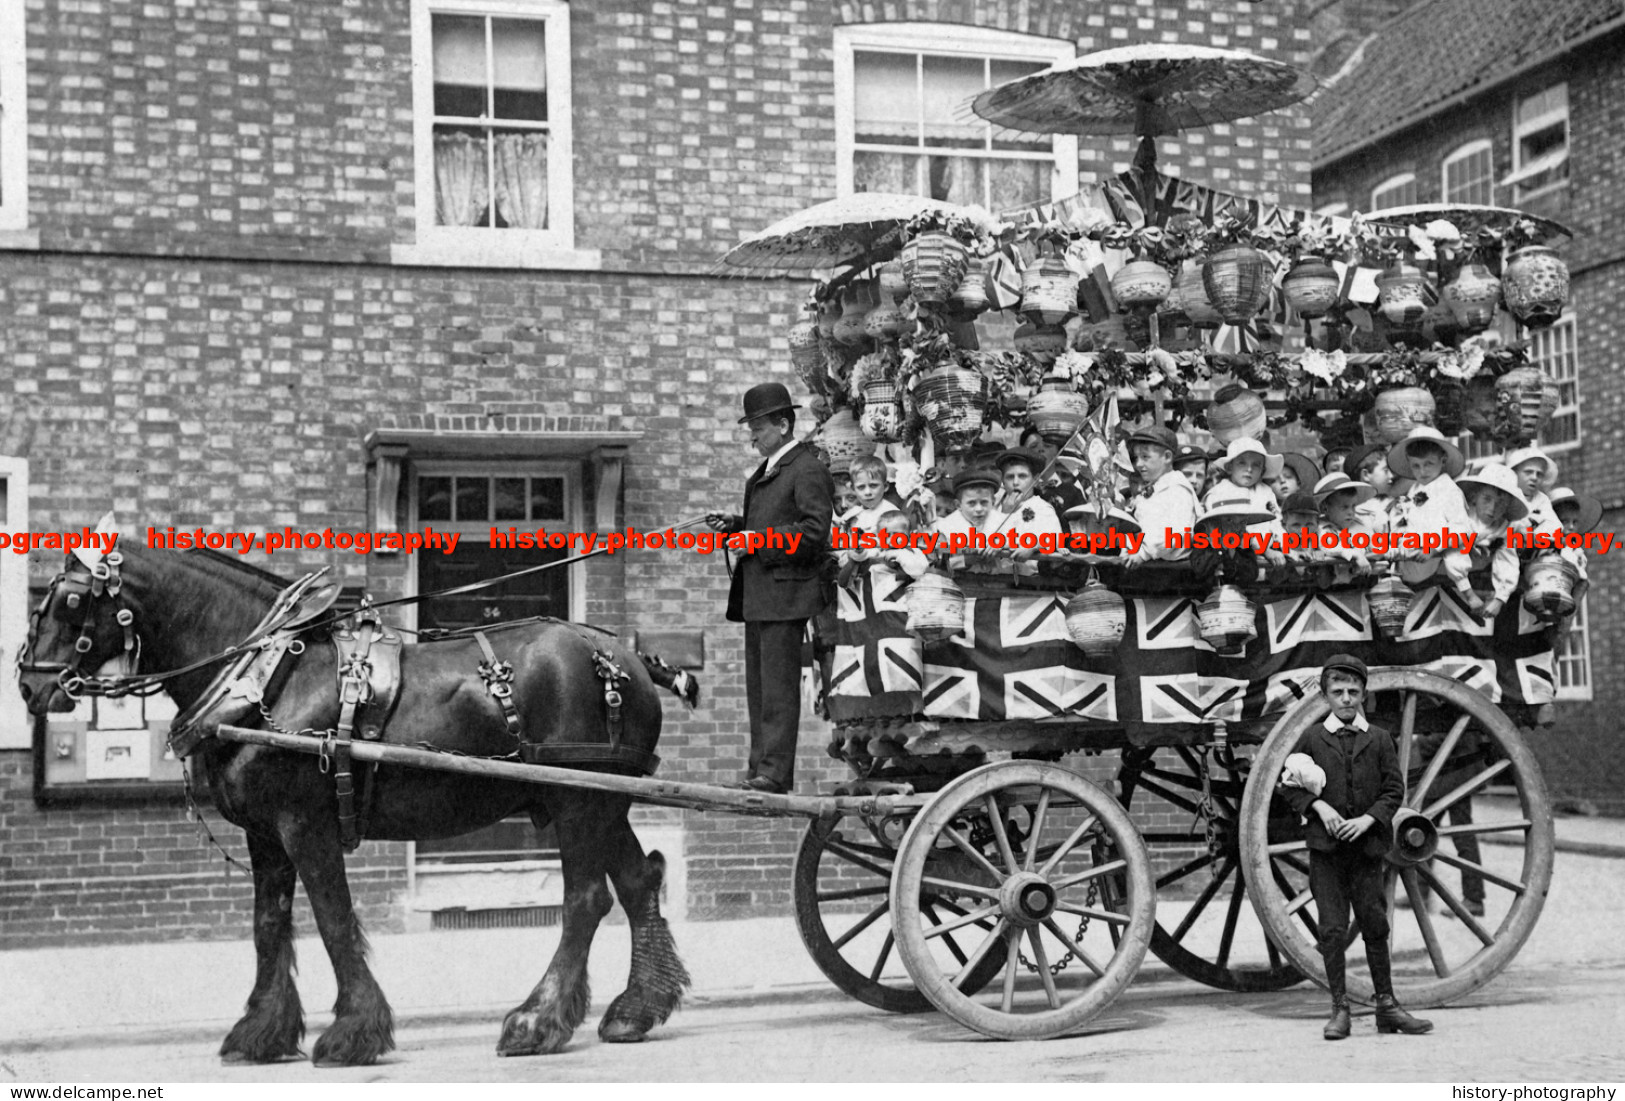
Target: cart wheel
1062,851
1437,958
1218,940
844,917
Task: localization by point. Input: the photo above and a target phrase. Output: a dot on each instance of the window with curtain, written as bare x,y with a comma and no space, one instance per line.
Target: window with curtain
490,121
1469,174
1395,191
904,125
492,125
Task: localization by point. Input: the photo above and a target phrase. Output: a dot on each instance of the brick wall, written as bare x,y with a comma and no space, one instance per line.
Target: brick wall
212,323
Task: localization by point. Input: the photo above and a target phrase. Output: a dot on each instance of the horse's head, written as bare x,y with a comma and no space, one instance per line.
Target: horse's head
84,622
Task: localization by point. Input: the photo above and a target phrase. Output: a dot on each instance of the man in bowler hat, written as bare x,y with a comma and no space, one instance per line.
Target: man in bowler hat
774,591
1350,820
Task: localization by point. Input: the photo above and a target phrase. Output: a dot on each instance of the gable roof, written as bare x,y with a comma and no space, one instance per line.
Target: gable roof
1438,50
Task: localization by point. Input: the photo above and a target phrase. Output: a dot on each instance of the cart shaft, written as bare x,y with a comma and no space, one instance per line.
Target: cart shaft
668,793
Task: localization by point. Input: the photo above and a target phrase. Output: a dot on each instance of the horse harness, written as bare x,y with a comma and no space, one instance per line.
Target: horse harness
368,671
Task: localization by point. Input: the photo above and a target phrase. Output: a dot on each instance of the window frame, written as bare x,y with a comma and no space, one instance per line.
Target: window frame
1545,362
14,128
480,247
1577,632
1461,153
16,724
1534,125
1397,180
943,40
574,511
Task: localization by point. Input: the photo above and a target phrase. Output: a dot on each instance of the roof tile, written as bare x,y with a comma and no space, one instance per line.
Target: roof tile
1438,49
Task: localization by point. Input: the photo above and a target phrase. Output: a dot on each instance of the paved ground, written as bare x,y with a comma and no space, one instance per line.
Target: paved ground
761,1011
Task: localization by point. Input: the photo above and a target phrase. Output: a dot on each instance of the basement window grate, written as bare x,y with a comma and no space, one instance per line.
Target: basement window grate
516,917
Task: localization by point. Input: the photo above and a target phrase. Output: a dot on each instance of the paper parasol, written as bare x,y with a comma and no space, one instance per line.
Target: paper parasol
1469,218
840,231
1145,90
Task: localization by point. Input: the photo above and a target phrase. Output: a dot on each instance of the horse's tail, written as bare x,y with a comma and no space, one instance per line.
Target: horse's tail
681,683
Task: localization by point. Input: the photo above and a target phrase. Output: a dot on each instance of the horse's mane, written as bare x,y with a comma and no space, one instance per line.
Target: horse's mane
235,567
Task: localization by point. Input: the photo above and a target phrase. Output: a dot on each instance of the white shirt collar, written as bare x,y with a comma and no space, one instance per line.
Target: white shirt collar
773,459
1333,724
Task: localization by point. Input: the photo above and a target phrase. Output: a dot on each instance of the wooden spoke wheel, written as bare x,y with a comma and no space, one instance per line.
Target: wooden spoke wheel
1452,743
1205,929
843,878
1056,865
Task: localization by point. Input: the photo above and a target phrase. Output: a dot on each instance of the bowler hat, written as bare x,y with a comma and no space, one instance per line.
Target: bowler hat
1347,663
978,477
766,399
1155,434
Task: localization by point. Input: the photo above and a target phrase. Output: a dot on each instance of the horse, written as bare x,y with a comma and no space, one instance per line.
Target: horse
177,610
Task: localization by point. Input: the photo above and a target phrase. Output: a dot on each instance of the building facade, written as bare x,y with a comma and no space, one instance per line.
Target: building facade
451,264
1519,106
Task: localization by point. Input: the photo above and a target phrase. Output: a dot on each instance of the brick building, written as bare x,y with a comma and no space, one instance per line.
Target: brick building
1523,106
452,263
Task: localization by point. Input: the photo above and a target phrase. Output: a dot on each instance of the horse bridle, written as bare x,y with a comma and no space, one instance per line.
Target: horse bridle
82,591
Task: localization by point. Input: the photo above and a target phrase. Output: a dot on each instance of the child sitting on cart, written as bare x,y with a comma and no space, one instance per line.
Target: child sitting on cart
1434,504
1246,466
1350,816
1339,498
1495,504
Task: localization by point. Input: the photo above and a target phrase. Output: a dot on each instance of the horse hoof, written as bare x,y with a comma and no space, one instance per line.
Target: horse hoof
353,1042
622,1032
527,1032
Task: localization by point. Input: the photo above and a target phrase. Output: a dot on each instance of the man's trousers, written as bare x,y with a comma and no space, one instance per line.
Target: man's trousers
773,696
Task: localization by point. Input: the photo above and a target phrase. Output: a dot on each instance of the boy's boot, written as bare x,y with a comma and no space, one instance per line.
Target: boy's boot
1338,1027
1391,1018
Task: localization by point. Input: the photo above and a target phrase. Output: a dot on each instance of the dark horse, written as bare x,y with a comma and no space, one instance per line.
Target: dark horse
189,606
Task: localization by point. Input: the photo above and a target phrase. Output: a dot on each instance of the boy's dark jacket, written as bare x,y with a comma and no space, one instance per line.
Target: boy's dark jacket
1362,777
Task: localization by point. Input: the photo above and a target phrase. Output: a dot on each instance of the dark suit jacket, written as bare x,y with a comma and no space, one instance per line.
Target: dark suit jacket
1362,777
773,584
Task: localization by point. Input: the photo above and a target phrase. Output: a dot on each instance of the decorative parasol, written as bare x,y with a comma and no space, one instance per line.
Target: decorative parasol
857,227
1145,90
1469,218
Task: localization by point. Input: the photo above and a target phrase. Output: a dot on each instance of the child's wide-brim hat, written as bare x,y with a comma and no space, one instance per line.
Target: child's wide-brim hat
1399,459
1232,516
1590,508
1498,477
1084,517
1247,446
1302,466
1337,482
1517,458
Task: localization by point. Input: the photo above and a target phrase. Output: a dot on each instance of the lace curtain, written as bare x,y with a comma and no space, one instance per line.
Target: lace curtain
521,161
462,189
463,184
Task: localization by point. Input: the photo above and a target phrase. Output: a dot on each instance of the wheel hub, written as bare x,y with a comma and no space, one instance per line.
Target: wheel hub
1027,898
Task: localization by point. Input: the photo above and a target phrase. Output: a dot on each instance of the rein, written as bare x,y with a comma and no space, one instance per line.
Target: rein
104,580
